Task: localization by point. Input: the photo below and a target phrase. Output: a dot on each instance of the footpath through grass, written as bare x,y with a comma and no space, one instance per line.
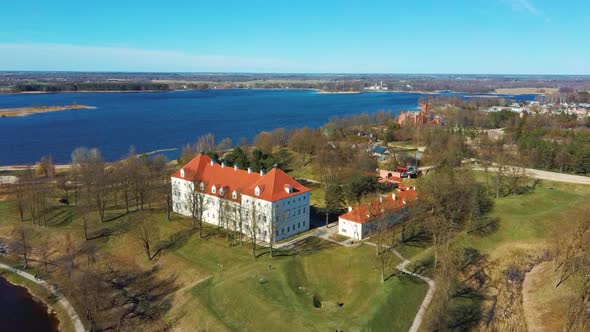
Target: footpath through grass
315,286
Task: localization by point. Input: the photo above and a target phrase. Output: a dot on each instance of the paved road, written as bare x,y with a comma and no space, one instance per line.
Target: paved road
78,326
546,175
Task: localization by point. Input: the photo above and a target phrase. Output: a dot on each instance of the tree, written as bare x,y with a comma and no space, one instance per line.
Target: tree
205,143
88,163
23,233
225,144
198,203
359,186
148,232
334,200
45,167
20,194
253,227
264,142
45,251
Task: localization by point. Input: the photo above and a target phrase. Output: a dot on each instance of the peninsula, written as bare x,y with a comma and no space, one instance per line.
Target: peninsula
22,111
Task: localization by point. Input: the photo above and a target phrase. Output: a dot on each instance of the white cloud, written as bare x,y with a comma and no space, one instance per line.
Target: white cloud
524,6
32,56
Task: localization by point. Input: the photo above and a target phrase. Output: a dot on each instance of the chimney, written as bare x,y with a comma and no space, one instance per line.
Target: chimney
261,172
380,199
414,188
249,170
393,196
222,164
235,167
212,162
349,208
404,201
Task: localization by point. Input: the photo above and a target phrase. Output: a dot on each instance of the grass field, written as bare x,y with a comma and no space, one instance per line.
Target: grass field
316,286
526,224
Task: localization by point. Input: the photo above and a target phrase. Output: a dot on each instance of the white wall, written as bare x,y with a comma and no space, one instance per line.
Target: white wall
360,231
291,215
349,228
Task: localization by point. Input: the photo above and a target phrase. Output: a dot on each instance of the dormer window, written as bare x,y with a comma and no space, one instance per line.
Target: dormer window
221,191
182,172
288,189
234,195
202,185
257,191
214,189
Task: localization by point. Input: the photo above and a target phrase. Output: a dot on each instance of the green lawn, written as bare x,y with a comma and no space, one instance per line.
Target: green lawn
225,288
343,282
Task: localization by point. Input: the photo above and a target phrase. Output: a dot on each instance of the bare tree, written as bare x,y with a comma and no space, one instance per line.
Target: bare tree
20,194
23,233
45,167
45,251
148,232
253,227
205,143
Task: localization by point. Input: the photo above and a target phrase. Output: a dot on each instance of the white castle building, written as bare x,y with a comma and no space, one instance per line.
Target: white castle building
230,195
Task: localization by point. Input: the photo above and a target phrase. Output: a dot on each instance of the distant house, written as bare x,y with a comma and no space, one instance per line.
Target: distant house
379,150
361,222
233,195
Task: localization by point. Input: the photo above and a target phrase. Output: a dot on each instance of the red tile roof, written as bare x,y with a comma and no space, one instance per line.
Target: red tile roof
368,212
272,185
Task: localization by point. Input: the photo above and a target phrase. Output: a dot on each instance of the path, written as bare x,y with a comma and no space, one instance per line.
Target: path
546,175
325,233
431,288
78,326
322,232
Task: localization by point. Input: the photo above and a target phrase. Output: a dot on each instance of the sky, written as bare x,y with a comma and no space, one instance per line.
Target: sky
318,36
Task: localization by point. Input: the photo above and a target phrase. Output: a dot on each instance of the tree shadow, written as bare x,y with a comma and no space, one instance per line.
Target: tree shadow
63,217
306,246
175,241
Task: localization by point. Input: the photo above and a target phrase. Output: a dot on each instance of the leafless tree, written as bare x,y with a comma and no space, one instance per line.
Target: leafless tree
148,232
20,195
23,233
253,227
205,143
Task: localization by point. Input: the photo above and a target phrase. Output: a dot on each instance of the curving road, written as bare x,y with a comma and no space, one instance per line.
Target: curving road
78,326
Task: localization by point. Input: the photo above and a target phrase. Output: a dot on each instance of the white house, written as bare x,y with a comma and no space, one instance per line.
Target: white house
361,221
231,195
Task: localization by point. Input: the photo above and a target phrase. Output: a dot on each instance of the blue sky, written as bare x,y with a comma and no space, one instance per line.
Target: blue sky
412,36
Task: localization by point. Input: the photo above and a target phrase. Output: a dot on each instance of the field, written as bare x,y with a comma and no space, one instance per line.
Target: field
317,285
524,233
524,91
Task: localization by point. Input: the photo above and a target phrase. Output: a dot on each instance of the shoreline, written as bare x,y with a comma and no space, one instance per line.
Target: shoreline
65,313
319,91
16,281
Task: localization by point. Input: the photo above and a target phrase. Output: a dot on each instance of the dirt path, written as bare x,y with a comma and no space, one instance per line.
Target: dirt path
78,326
427,299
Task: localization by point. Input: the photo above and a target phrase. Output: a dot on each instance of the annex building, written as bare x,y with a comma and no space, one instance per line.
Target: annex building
232,197
361,222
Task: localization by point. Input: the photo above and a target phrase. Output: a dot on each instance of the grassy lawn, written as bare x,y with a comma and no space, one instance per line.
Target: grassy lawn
320,287
316,286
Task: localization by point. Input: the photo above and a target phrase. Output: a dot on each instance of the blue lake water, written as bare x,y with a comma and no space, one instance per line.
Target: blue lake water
162,120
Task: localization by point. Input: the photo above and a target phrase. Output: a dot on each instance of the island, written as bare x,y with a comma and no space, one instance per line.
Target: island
22,111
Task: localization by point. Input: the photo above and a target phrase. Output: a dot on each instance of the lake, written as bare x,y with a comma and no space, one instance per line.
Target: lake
20,312
162,120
